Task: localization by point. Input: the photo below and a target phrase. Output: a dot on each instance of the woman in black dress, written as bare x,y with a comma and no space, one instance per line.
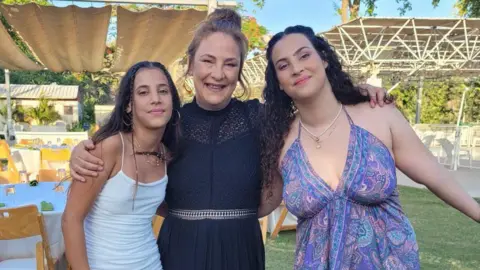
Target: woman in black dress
215,194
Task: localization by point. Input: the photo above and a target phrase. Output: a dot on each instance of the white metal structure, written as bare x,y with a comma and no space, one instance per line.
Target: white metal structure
402,46
376,46
432,47
385,45
254,70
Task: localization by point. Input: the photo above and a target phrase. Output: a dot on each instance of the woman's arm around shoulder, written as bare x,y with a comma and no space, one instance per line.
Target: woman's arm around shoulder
80,199
419,164
271,196
83,163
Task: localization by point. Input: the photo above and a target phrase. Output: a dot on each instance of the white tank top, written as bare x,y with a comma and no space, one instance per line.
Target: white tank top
118,228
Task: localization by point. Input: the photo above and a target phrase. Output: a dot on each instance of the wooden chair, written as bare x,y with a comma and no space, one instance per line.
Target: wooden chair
54,156
157,224
264,226
51,160
26,142
279,226
10,176
37,141
47,175
22,222
68,141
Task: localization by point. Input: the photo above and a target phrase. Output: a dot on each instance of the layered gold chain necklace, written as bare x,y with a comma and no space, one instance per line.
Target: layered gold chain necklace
316,138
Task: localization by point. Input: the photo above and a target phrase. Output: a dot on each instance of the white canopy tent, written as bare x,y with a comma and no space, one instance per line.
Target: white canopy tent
74,39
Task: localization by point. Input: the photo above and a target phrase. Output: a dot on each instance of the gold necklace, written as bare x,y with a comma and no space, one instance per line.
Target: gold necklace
316,138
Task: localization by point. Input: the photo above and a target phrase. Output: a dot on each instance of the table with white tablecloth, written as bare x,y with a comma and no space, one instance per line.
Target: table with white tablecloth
30,160
28,195
26,160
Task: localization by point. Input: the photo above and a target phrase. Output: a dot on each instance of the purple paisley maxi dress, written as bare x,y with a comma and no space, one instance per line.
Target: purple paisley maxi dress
360,224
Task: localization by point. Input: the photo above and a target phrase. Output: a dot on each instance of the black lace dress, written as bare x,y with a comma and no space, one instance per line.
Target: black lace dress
219,169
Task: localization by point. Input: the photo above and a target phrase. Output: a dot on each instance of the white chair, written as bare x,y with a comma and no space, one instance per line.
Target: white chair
449,148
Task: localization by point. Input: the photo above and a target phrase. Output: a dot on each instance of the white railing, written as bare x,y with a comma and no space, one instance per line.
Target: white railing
440,140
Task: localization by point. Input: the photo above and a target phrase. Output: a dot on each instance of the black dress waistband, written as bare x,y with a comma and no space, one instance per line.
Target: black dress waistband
212,214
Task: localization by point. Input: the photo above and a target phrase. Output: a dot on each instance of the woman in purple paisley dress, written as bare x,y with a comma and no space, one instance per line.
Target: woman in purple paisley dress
338,160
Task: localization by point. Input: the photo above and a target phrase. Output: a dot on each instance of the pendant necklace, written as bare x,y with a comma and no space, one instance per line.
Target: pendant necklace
316,138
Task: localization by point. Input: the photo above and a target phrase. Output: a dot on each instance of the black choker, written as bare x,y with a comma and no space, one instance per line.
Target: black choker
156,154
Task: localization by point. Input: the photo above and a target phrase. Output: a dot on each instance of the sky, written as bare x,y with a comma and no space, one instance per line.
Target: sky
276,15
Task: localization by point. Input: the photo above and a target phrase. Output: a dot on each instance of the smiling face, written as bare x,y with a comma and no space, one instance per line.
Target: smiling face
215,69
151,99
300,69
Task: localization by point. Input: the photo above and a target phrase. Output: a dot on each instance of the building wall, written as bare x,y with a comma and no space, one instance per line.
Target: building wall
61,106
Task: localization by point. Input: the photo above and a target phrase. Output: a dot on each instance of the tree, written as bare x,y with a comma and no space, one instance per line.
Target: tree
254,33
95,87
18,41
472,113
405,97
43,114
259,3
466,8
18,113
440,100
349,9
98,87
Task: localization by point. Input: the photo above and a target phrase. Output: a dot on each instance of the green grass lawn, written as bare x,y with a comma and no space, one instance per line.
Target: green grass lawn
447,239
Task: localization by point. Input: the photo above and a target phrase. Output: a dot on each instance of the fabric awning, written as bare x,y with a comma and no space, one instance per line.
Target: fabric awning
154,35
10,55
68,38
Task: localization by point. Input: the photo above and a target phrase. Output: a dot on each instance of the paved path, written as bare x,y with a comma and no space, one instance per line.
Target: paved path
469,179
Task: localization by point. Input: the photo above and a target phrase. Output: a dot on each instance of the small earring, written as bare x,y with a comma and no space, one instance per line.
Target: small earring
127,124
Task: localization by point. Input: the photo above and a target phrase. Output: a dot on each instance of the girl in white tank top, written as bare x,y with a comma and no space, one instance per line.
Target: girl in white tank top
107,223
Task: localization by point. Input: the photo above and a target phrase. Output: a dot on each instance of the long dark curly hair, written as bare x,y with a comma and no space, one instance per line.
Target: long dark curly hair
279,108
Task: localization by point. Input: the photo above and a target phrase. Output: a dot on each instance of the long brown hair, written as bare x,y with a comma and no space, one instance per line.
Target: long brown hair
121,121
